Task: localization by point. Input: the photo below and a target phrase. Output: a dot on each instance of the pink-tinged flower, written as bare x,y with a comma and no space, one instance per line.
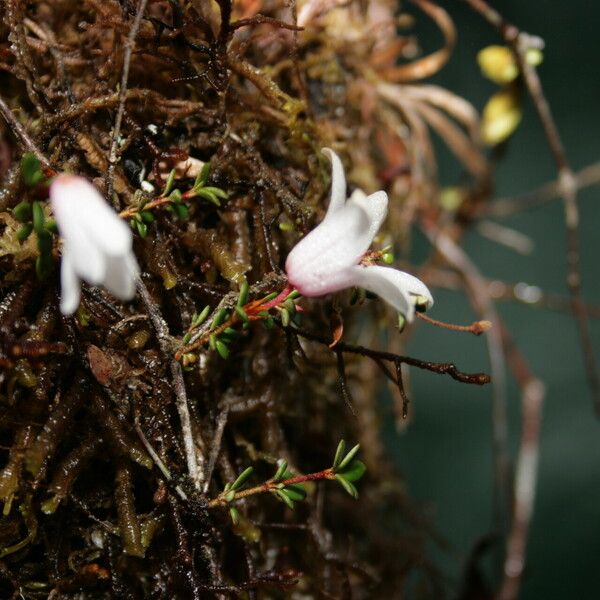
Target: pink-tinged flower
97,244
328,259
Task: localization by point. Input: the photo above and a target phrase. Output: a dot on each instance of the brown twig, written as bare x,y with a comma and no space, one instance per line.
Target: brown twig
129,46
520,42
476,328
481,300
532,398
164,341
23,137
382,355
504,207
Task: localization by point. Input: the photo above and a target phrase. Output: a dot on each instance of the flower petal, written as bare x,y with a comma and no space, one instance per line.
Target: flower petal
121,276
70,287
315,265
396,287
87,260
78,205
375,206
338,183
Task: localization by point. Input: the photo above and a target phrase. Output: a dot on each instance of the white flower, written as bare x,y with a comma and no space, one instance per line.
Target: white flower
328,259
96,242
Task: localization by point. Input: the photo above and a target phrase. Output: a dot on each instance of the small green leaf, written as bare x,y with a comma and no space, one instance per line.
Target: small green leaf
349,487
242,478
175,196
186,338
348,457
280,470
208,196
169,183
354,471
388,258
212,342
285,317
219,318
269,323
295,492
202,177
229,496
147,216
181,211
241,314
222,349
234,513
271,296
24,231
199,319
38,216
215,191
290,306
51,226
22,212
285,498
31,169
142,229
229,335
293,295
243,297
44,242
43,265
339,454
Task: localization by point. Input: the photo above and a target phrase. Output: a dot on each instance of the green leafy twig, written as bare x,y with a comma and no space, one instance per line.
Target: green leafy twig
140,215
289,488
32,217
223,331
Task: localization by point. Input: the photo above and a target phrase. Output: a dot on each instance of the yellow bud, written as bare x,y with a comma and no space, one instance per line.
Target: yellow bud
451,198
498,64
534,57
501,116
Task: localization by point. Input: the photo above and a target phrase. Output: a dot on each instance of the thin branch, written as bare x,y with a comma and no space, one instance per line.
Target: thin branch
129,46
23,137
520,42
381,355
157,459
504,207
343,382
479,292
164,341
476,328
532,398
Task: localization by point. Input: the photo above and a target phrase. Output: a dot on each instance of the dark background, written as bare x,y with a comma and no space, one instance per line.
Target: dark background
446,452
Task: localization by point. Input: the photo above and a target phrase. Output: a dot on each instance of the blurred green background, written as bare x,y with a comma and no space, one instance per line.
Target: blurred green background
446,454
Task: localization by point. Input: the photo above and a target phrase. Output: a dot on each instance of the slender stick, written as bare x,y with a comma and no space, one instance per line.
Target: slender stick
129,46
479,292
164,341
532,398
23,137
504,207
520,43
